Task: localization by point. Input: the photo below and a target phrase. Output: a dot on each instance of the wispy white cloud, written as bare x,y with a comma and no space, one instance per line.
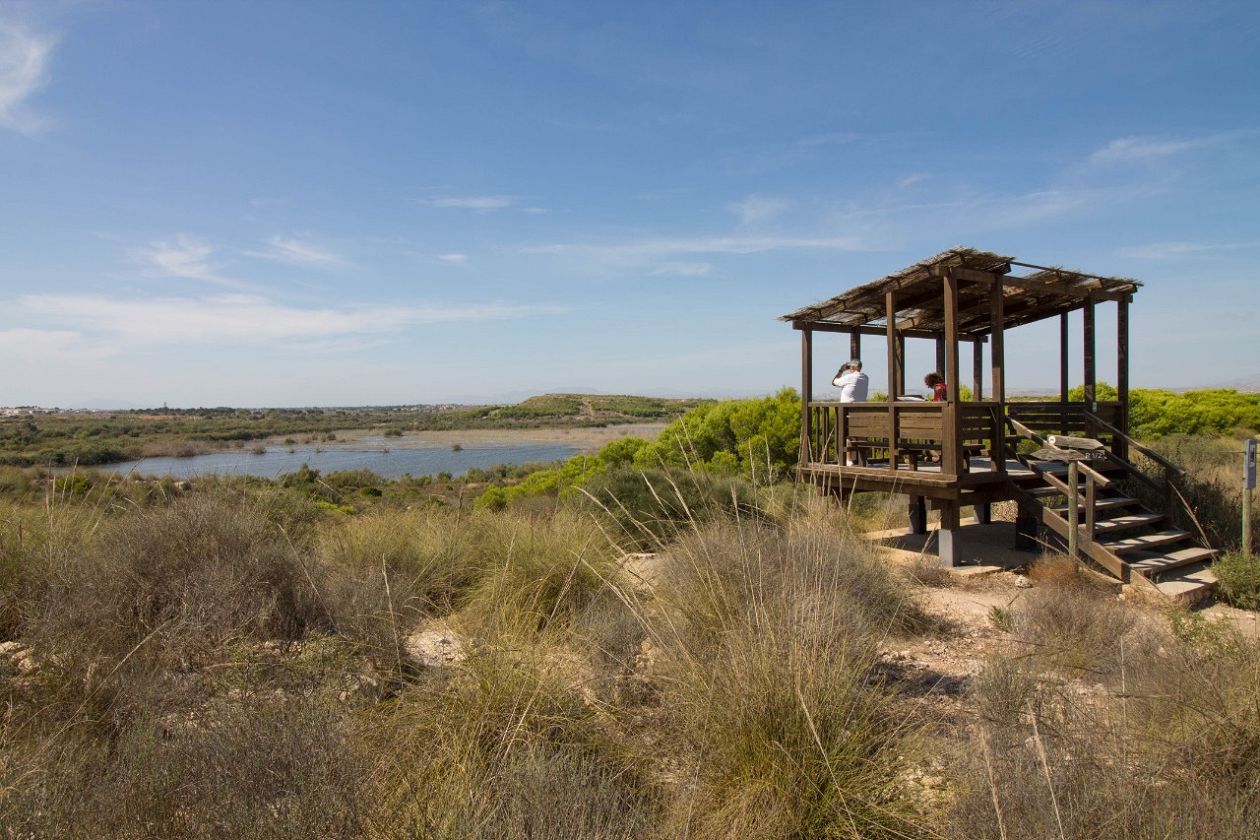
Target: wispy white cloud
1124,149
240,318
684,269
453,259
679,246
911,180
758,209
473,202
30,343
1137,148
535,211
185,257
298,252
1173,250
24,60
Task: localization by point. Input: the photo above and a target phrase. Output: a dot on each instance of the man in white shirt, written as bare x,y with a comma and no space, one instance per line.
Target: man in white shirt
852,382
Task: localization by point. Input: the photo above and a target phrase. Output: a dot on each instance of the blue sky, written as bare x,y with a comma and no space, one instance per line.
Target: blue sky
374,203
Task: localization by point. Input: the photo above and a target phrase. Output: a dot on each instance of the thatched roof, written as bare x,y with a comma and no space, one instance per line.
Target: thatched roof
1037,292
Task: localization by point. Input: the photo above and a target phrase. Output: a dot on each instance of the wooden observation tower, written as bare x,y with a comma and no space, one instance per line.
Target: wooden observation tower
954,453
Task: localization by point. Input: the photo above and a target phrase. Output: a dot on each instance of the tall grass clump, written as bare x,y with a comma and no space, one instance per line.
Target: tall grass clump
1143,740
190,578
533,572
506,747
1210,485
649,508
768,703
1068,623
277,768
388,569
35,541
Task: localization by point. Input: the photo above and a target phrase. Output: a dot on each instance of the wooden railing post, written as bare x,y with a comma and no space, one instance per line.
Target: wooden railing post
1090,493
842,435
890,312
1074,511
807,395
951,458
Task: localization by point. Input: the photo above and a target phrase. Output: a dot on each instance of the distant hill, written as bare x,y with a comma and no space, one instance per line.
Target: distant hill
1245,383
592,408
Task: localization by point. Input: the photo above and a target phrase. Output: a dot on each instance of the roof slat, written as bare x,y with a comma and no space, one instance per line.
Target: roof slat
1045,292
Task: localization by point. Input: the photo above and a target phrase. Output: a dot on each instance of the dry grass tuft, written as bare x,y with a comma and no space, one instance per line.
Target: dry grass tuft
768,639
1165,747
506,747
928,571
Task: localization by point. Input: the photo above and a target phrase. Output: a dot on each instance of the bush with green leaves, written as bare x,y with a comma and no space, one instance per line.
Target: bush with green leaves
1238,577
758,437
1155,413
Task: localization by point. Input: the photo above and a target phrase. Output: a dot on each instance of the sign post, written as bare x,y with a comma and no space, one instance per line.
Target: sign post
1249,486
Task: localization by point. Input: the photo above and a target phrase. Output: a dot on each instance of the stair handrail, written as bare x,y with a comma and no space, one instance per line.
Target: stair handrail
1025,432
1170,470
1145,450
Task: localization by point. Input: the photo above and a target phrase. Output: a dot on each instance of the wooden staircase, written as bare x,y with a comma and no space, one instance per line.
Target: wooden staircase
1119,533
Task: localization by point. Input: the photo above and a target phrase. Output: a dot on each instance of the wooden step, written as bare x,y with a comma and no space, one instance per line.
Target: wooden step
1188,585
1145,542
1045,491
1100,504
1127,522
1150,563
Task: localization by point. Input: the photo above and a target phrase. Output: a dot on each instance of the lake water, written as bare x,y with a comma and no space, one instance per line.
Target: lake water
410,457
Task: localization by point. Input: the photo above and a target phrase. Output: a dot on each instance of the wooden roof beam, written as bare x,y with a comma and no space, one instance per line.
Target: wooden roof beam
828,326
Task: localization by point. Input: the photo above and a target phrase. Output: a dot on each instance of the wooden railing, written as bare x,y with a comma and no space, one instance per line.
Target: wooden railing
902,435
1072,418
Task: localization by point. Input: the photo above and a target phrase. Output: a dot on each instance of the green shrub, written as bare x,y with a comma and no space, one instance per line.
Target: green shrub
1238,577
762,434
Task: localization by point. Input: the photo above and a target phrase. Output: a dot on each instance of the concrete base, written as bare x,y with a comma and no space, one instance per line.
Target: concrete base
948,548
982,548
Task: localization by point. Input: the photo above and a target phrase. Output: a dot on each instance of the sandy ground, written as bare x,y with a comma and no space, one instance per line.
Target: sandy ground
586,439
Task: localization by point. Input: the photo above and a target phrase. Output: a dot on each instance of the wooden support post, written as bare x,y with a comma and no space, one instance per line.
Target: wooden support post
984,513
890,309
1091,373
977,371
951,449
948,547
918,515
855,345
1121,447
807,394
940,355
1063,357
997,348
901,365
1026,530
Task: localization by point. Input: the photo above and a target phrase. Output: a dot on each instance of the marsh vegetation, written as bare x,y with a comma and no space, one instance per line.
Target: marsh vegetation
630,647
